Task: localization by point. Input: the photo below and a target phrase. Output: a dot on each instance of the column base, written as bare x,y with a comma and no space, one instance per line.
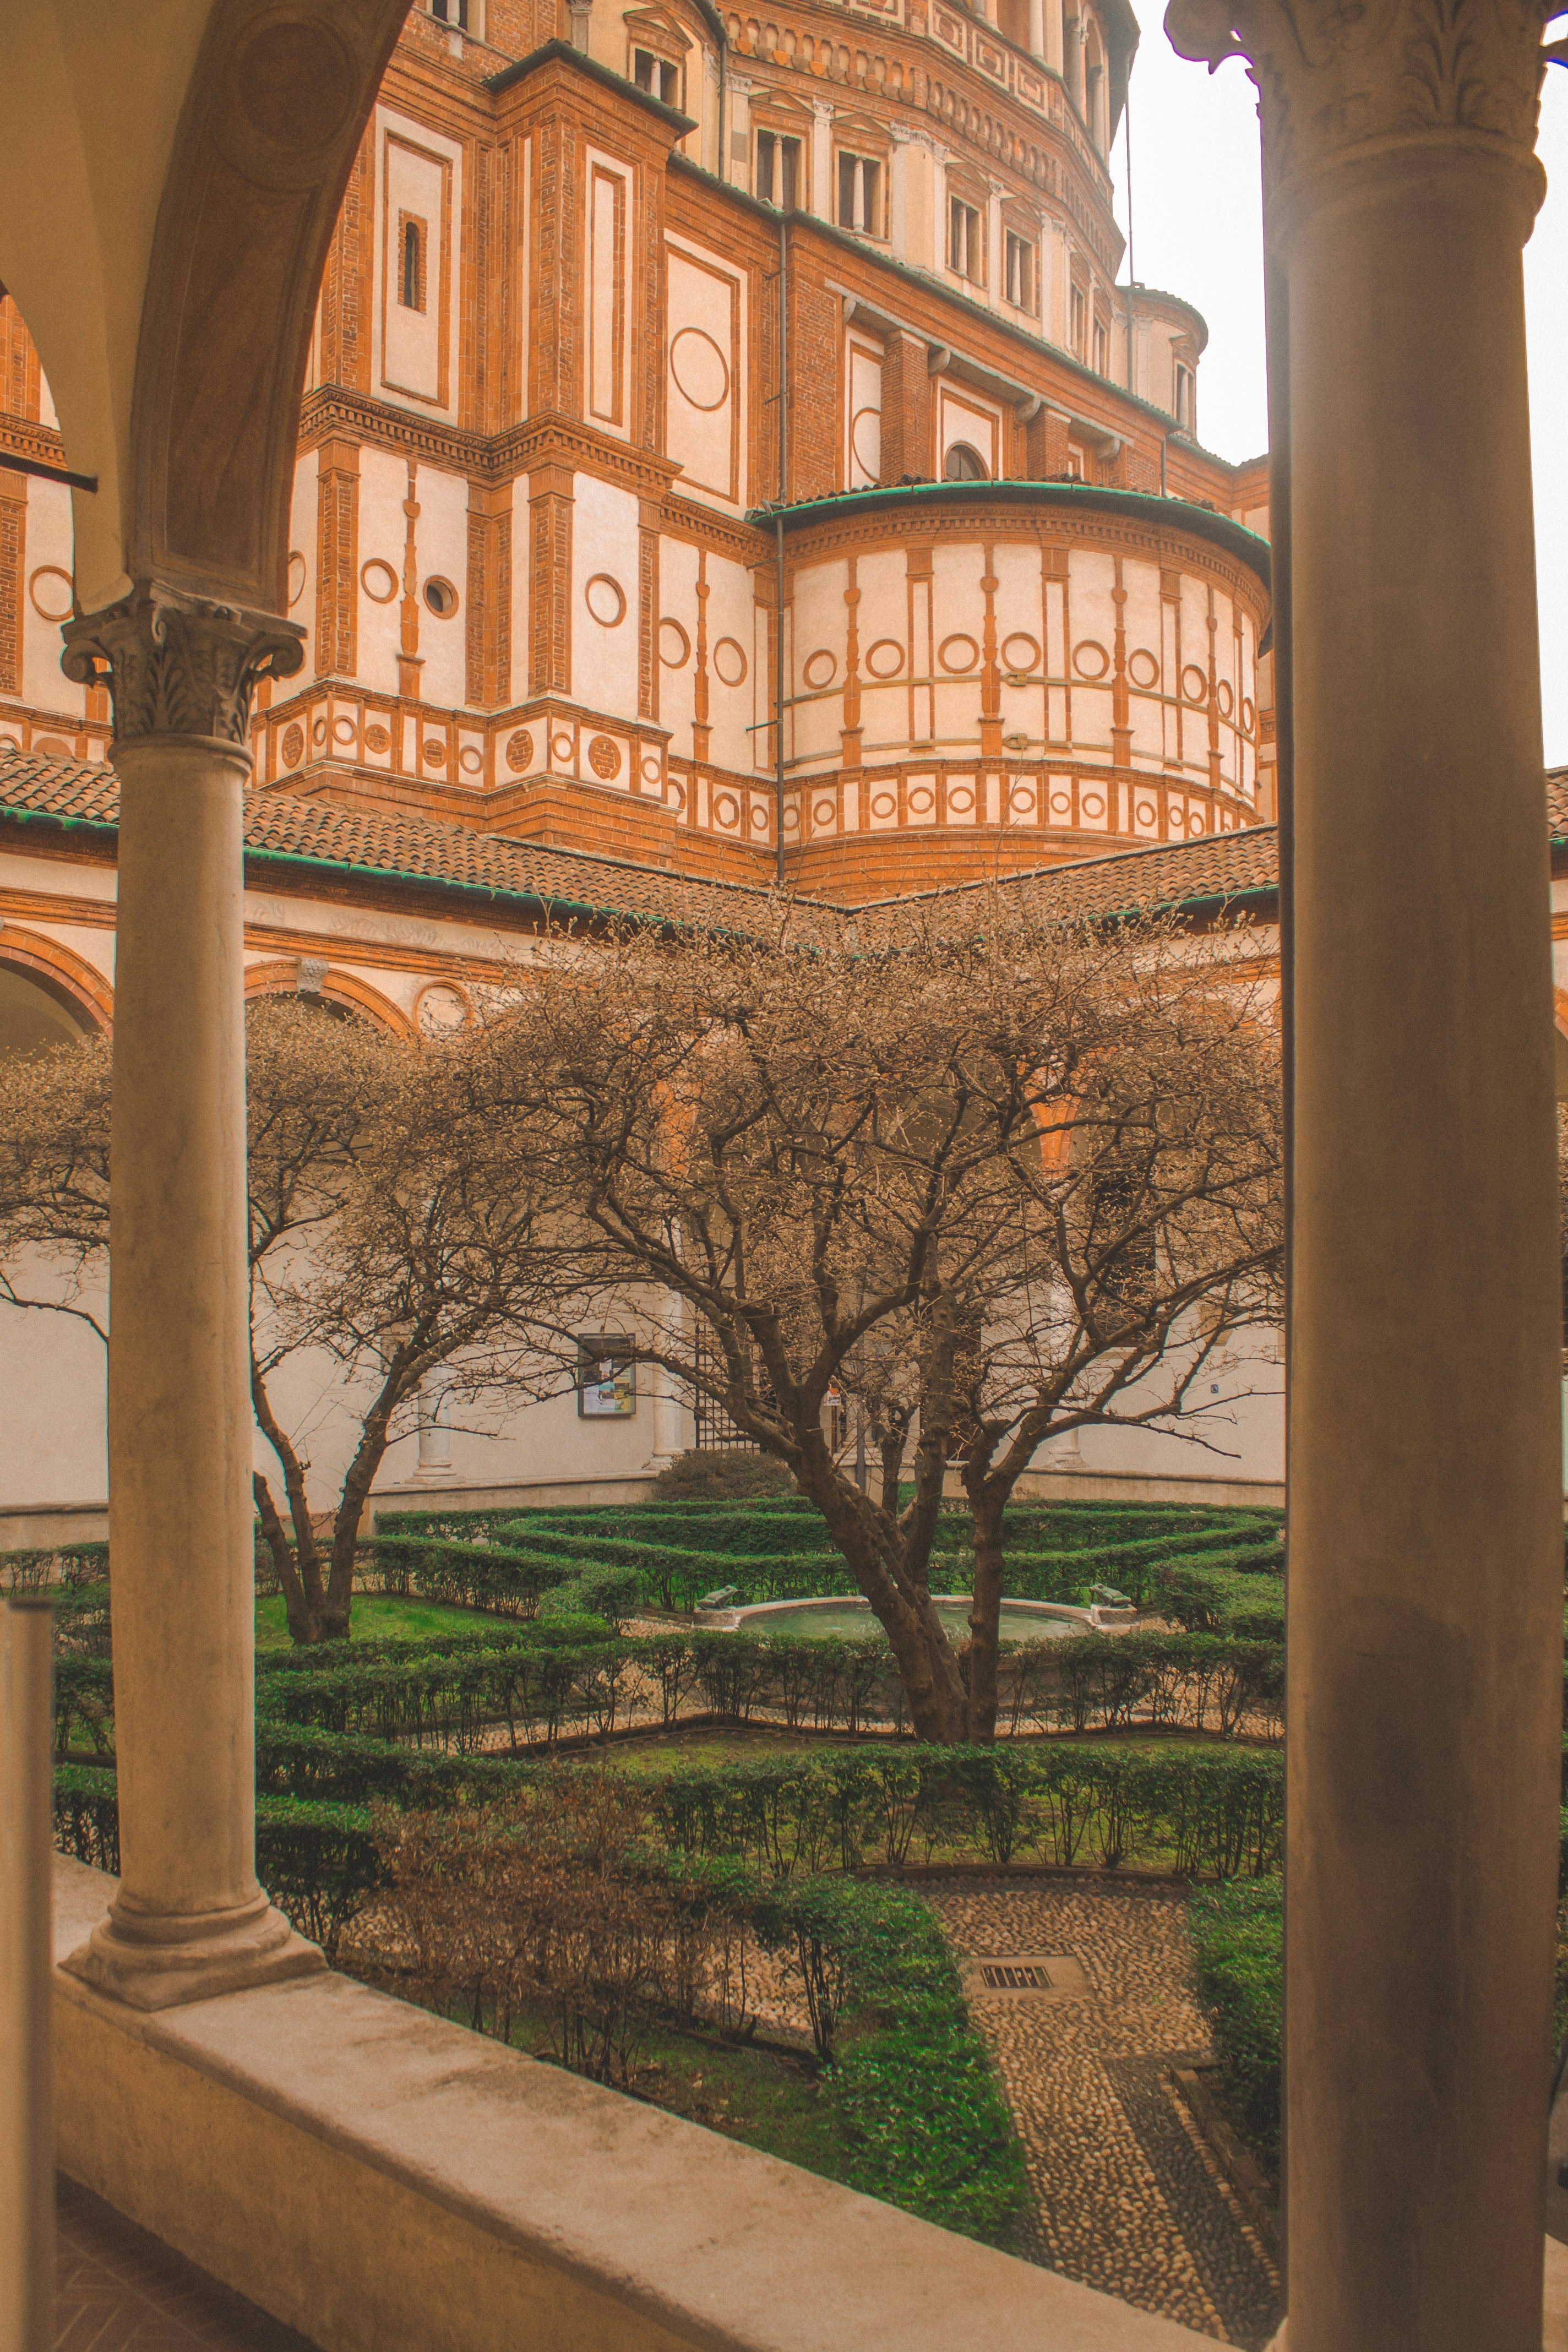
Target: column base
161,1960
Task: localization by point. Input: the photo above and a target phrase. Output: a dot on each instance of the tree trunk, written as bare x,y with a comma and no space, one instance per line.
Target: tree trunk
890,1562
306,1552
369,1455
986,1502
302,1627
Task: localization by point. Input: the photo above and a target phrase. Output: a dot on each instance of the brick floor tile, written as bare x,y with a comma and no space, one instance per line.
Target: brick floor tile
120,2289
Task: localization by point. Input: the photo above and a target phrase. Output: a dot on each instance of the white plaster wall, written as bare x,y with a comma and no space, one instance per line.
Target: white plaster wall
677,669
884,619
605,541
48,542
442,546
382,486
407,347
818,618
732,614
52,1443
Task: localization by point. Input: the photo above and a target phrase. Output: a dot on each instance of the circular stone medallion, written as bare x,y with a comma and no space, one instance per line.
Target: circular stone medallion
700,371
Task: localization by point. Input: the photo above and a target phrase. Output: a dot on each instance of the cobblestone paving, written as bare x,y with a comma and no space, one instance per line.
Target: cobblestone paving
1129,2198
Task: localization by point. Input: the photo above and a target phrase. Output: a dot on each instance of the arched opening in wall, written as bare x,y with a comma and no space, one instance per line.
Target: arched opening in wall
35,1015
964,463
322,987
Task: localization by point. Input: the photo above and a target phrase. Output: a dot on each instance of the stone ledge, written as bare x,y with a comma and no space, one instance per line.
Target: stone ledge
373,2176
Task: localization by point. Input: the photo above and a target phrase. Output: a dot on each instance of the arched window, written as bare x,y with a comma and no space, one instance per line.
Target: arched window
34,1016
965,463
411,265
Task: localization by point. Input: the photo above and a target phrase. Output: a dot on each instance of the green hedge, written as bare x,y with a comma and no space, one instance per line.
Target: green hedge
318,1862
557,1678
1238,1936
912,2082
508,1564
1205,1813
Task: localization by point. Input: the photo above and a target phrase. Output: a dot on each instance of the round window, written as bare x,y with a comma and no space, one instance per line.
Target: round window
441,597
965,463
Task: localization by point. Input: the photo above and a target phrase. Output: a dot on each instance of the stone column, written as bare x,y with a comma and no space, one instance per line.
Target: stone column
188,1919
1424,1610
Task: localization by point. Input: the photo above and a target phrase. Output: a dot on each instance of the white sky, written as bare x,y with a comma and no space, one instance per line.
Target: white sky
1197,232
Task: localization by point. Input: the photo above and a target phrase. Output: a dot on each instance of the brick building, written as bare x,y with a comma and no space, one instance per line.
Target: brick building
726,457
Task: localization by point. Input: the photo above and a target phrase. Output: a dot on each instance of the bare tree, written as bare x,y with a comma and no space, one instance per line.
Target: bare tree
377,1244
978,1182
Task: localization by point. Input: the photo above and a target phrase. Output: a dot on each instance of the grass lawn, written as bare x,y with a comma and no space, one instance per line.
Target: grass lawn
374,1617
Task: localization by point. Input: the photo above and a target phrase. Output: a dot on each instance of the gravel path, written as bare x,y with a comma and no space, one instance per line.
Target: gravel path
1130,2200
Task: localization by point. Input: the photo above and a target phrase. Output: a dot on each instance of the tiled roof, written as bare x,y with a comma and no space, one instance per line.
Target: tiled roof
403,848
1227,866
282,825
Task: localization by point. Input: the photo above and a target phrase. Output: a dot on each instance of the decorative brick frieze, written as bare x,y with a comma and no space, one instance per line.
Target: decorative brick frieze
337,557
549,506
488,604
13,577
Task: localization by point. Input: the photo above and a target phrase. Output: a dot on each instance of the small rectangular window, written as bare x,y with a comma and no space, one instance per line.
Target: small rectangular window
778,170
965,246
860,191
657,76
1020,272
1102,348
606,1376
411,234
451,12
1184,401
1077,321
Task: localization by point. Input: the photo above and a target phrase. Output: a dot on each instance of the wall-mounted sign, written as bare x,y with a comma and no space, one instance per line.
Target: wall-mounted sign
606,1376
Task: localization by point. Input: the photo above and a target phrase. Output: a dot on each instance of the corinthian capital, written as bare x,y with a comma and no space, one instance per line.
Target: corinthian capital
1342,79
179,665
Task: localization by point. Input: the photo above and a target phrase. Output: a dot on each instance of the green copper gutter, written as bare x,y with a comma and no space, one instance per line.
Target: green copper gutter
306,863
1088,497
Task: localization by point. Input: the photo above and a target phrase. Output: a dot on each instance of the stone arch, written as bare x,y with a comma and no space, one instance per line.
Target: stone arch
281,977
164,216
74,983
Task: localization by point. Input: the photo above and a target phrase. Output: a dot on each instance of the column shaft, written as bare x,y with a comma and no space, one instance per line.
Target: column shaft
188,1917
1425,1493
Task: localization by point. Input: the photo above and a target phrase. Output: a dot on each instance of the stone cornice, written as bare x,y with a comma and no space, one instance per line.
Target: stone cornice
1017,509
332,409
25,436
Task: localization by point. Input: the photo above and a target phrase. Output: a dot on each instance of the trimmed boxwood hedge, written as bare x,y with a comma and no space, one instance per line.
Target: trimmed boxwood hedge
1238,1936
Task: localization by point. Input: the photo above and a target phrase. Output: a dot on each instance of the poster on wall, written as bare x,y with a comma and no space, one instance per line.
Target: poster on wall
606,1376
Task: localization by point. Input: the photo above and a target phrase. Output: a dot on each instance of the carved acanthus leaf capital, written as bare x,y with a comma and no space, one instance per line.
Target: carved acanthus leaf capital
180,665
1339,78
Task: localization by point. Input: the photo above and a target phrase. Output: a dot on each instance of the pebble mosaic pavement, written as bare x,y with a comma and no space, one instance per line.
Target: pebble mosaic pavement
1130,2200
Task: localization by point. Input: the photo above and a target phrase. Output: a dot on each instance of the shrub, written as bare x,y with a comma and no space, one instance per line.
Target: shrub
609,1594
727,1476
555,1902
1238,1935
318,1862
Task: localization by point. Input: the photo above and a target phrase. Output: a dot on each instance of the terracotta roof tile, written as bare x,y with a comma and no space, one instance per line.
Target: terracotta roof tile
419,849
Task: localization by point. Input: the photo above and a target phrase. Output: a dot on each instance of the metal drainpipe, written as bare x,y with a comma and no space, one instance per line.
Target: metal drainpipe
779,554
